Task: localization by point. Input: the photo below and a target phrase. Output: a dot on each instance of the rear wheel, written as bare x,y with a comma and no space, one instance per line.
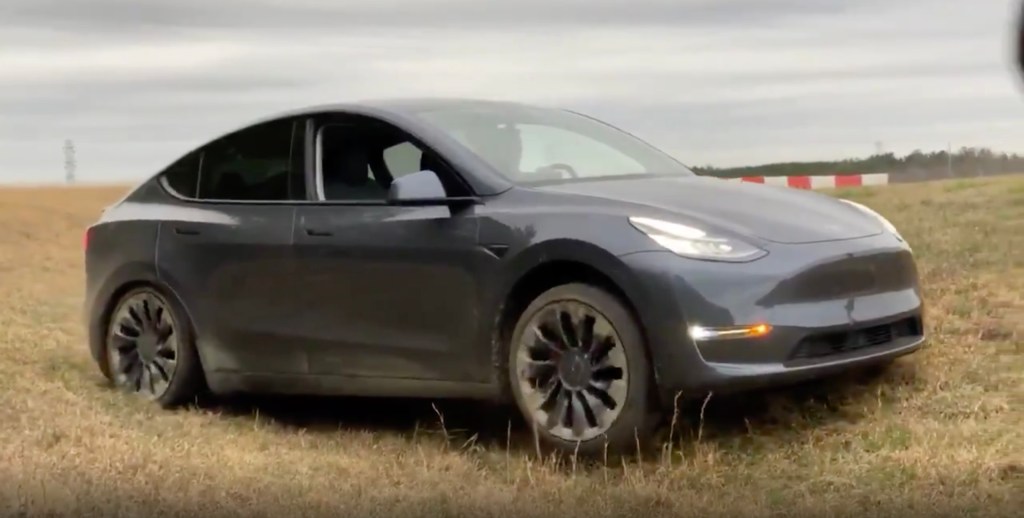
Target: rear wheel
579,371
149,349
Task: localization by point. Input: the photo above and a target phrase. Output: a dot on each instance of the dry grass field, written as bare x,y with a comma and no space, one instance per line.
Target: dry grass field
939,433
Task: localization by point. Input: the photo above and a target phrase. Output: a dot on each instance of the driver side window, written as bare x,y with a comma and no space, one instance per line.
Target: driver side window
359,159
402,159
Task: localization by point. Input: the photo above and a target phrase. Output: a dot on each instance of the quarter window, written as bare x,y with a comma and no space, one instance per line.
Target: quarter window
183,176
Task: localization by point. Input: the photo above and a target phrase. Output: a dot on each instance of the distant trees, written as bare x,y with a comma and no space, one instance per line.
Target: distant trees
917,165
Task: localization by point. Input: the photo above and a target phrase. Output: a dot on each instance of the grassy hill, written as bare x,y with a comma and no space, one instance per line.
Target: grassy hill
938,432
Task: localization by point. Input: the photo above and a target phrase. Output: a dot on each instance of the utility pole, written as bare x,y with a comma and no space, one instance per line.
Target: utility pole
69,161
949,159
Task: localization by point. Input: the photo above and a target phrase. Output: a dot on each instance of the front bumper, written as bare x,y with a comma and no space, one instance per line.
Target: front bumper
832,306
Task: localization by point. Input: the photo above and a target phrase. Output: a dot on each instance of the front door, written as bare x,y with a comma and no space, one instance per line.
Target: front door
387,291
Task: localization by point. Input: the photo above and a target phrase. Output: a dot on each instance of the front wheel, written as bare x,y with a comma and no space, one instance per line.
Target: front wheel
579,372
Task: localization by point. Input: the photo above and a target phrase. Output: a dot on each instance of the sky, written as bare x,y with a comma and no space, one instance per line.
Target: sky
135,84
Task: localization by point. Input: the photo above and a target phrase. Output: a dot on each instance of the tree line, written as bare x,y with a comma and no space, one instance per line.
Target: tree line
917,165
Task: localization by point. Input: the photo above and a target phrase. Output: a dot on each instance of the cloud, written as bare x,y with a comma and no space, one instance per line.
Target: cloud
723,81
406,14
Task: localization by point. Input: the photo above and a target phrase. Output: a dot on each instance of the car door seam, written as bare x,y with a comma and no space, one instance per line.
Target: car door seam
156,252
295,211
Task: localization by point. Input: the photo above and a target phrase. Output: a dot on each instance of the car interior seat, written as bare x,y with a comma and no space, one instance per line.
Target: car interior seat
346,175
230,186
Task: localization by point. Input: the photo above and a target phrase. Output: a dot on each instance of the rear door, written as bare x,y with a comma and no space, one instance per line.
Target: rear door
225,247
387,291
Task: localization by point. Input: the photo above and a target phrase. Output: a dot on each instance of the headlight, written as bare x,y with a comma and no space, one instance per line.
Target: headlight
885,223
696,243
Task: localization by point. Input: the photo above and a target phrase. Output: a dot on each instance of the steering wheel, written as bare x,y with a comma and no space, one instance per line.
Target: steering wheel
559,166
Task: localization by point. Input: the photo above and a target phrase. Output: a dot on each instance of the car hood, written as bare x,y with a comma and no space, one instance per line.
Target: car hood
777,214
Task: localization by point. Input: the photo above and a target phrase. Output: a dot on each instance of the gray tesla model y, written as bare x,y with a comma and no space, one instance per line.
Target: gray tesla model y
475,249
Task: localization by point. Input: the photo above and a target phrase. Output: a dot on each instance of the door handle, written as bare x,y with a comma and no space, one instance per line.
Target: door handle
185,231
312,232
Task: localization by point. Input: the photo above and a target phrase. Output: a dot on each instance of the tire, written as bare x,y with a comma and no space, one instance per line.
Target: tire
633,418
149,349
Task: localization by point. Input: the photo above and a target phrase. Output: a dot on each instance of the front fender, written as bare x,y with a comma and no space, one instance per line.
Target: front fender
538,256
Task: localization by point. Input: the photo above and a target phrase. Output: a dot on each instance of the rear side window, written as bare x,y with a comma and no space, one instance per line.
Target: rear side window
254,164
260,163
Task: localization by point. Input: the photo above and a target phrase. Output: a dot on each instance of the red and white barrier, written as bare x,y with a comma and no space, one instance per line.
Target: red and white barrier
831,181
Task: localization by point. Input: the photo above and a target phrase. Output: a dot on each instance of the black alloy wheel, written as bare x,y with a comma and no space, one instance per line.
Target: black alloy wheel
577,367
143,344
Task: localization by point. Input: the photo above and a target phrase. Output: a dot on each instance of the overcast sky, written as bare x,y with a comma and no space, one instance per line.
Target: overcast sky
723,82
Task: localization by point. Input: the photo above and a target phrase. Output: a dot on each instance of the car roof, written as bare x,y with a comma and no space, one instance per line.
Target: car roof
401,106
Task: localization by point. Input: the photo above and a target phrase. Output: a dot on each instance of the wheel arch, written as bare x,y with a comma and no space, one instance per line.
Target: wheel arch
552,264
129,277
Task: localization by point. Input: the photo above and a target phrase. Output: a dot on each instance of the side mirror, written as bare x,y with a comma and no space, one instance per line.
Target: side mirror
424,188
419,188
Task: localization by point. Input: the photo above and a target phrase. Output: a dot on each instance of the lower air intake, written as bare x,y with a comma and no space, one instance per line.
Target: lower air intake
827,344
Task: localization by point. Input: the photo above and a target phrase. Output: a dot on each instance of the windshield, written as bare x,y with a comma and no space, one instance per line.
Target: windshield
531,145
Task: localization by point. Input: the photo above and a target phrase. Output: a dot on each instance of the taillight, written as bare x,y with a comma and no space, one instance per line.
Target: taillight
85,238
